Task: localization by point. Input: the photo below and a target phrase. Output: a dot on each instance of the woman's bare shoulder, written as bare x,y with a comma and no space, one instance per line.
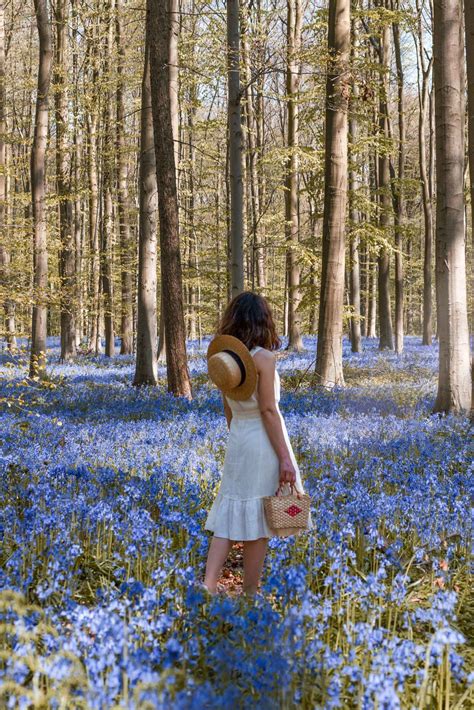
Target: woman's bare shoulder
264,359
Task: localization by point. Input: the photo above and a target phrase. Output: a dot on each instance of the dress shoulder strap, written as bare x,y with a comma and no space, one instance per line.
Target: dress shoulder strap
255,348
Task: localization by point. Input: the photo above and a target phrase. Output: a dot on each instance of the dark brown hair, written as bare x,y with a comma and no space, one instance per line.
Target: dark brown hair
248,317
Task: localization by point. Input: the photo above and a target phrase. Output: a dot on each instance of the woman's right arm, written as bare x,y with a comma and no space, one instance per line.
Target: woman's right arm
265,363
227,411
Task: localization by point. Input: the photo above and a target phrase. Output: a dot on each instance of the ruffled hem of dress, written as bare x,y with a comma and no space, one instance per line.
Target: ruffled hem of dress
240,519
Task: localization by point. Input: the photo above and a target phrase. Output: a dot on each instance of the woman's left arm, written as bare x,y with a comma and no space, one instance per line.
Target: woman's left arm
227,411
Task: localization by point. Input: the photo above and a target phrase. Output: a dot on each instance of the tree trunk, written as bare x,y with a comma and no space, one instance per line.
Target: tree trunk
329,349
126,345
159,28
38,194
454,384
354,274
313,310
92,166
4,252
385,317
161,332
146,363
399,189
260,145
217,203
372,298
77,156
424,71
192,240
257,264
293,45
174,103
236,148
363,270
107,217
228,224
67,256
469,29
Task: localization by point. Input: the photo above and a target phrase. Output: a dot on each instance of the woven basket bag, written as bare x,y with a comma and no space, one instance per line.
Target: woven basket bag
287,514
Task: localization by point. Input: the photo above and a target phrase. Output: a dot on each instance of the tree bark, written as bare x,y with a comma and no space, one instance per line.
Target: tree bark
313,312
354,274
93,180
372,298
257,262
424,71
67,256
107,216
293,45
192,239
399,188
4,251
236,148
385,317
469,30
38,193
260,146
174,104
78,202
329,348
126,345
454,383
146,362
159,28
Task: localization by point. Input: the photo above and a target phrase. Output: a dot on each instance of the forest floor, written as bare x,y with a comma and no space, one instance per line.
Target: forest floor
105,490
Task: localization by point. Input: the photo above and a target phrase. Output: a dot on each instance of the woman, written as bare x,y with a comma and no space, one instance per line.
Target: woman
259,455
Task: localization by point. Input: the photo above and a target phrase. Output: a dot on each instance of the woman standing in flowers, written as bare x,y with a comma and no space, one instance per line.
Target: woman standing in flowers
259,457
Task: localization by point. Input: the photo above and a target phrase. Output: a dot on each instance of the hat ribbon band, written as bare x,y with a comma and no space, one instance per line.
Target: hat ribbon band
240,364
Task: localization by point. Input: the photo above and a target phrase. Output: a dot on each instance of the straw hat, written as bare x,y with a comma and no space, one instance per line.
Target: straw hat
231,367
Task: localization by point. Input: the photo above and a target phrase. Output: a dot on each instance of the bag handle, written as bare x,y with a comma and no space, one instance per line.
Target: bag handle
293,489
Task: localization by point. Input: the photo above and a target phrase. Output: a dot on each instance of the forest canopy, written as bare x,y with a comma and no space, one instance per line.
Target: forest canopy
257,97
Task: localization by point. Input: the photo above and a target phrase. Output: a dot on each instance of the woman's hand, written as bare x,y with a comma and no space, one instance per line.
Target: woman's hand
287,471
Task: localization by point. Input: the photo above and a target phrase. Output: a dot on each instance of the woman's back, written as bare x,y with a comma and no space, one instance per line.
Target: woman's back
250,407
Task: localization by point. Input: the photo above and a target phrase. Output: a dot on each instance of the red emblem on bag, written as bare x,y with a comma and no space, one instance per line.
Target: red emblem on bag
293,510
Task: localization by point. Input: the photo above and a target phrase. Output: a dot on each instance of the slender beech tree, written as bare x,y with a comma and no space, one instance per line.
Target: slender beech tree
107,215
236,147
76,169
173,82
424,67
159,31
385,316
469,26
354,272
4,249
454,383
92,119
126,327
192,237
329,347
399,186
38,193
257,257
146,362
293,45
259,85
67,260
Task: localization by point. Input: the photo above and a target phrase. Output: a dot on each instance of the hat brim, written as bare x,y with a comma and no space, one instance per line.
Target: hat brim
229,342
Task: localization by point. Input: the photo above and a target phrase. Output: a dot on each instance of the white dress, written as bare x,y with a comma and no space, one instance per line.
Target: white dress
251,471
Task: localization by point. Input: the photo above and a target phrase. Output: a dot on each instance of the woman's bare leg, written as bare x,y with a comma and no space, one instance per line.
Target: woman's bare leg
254,557
219,548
